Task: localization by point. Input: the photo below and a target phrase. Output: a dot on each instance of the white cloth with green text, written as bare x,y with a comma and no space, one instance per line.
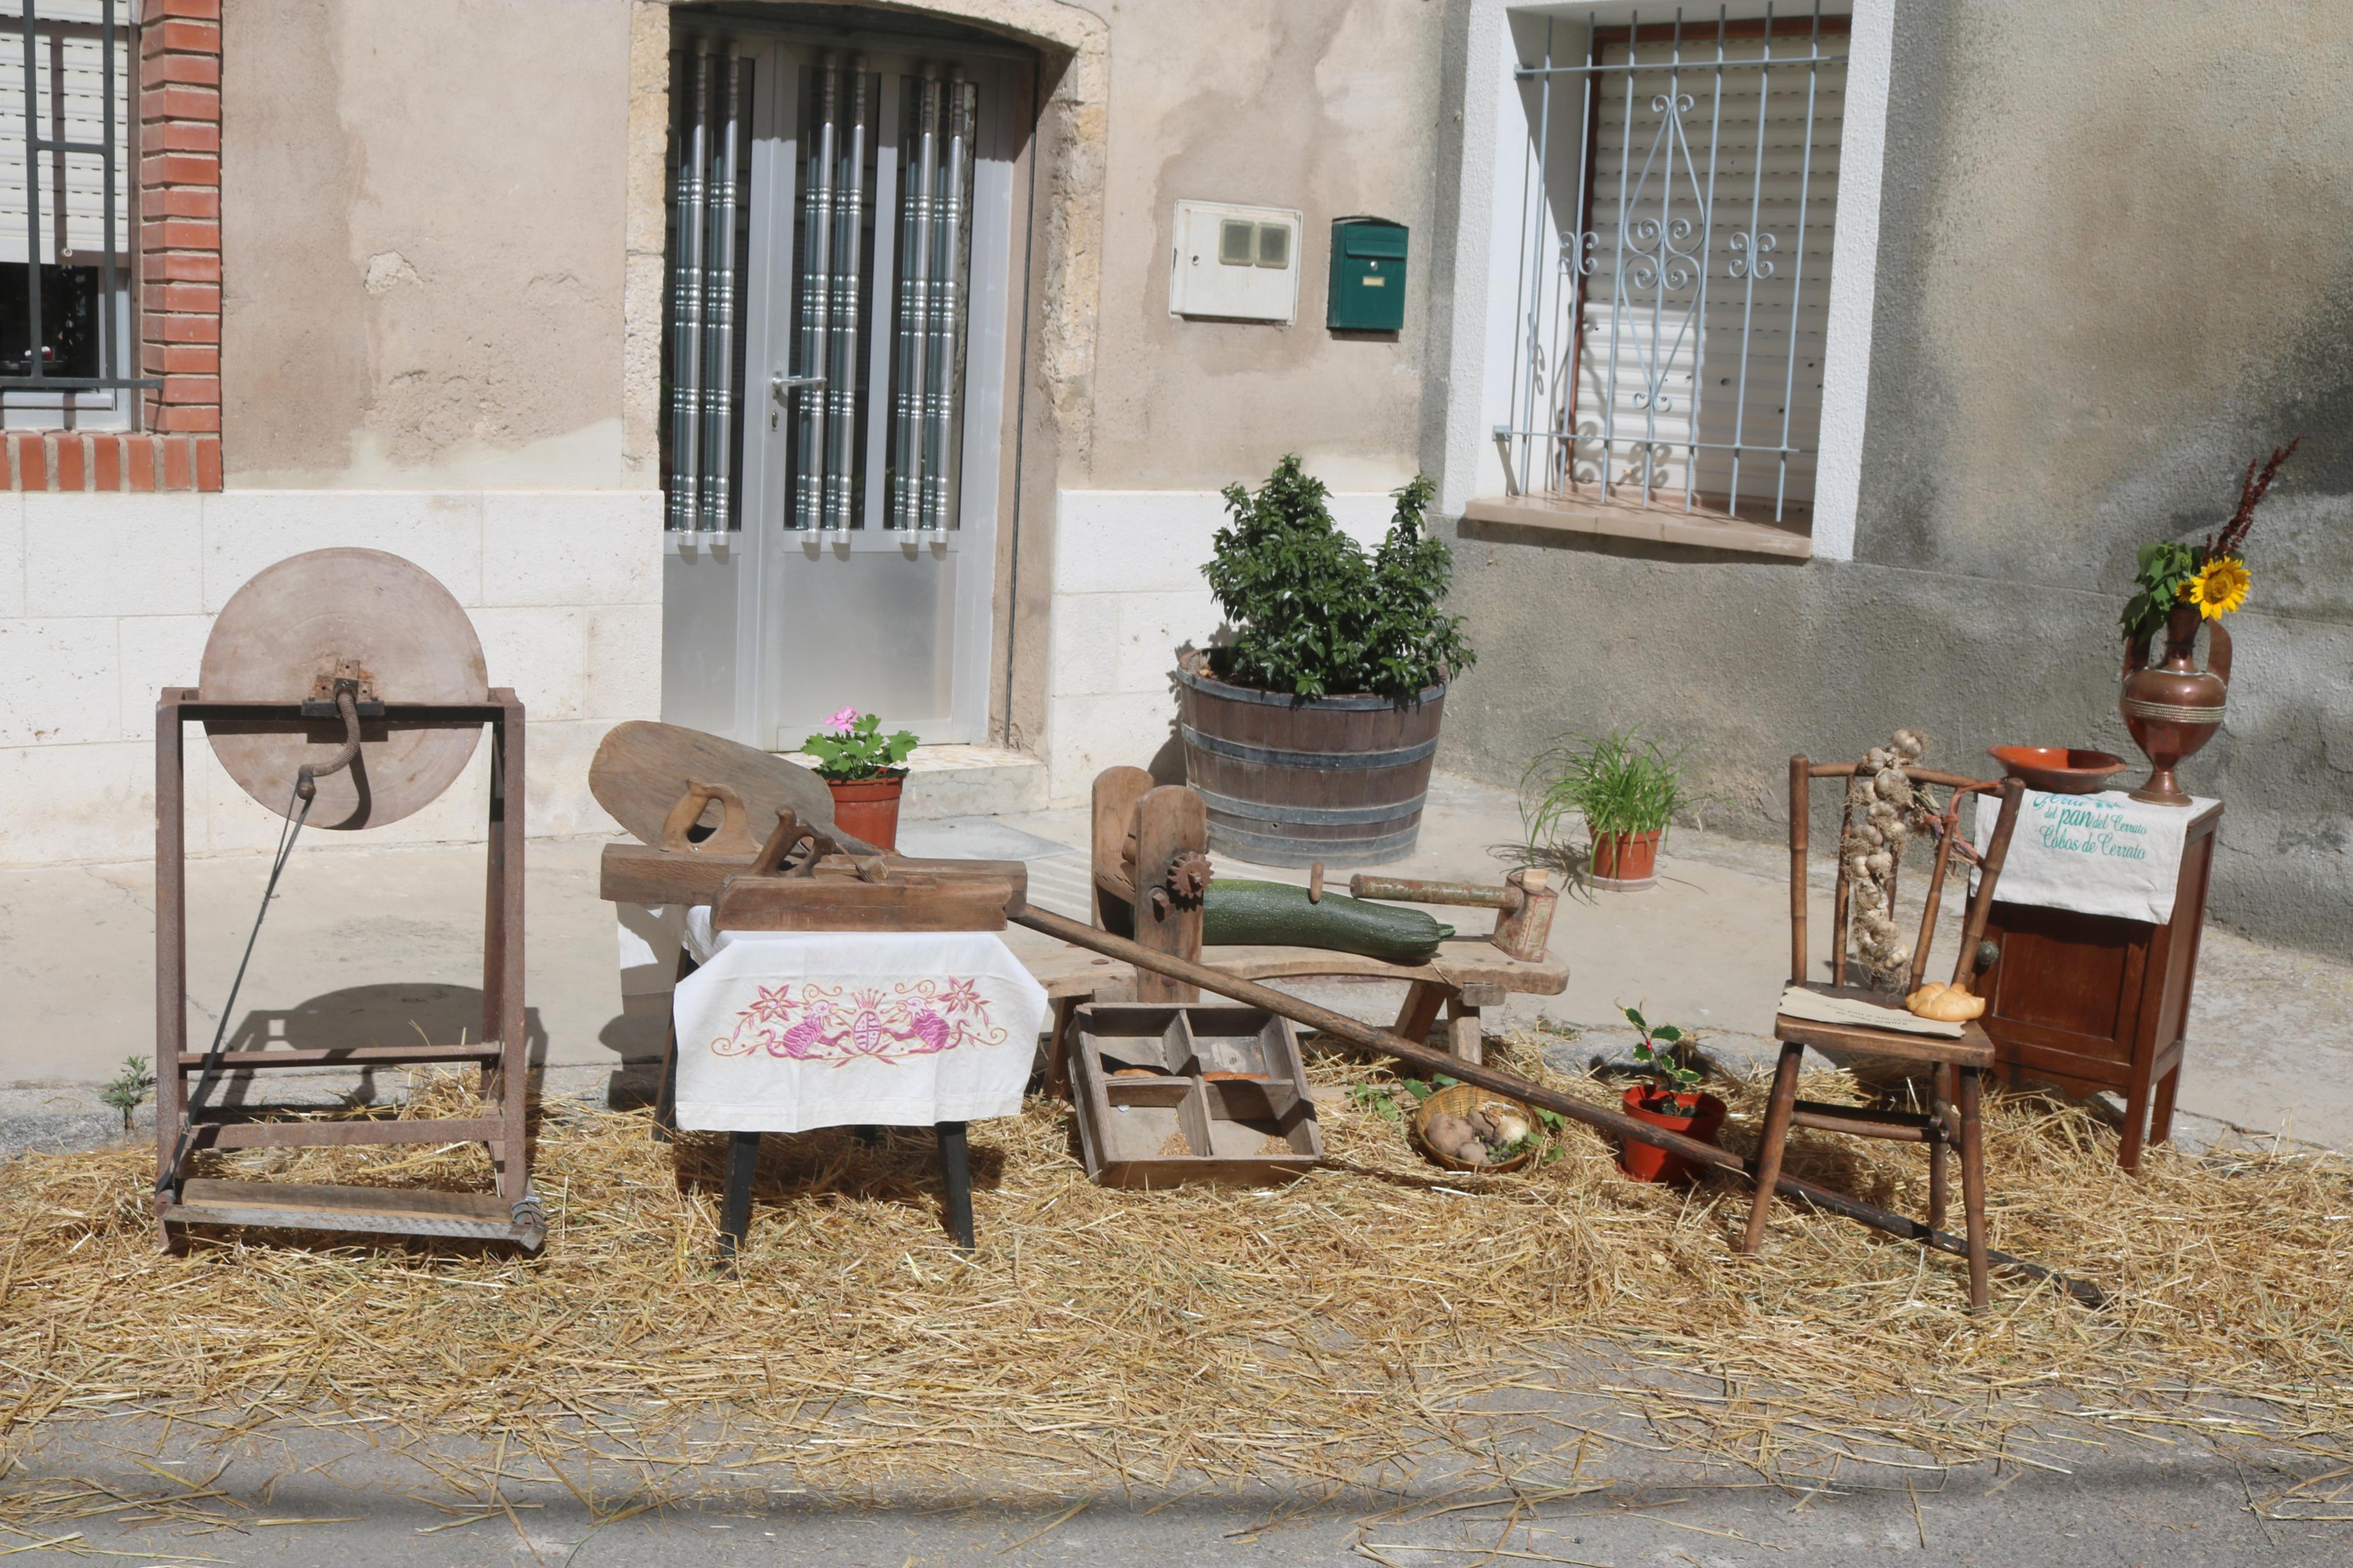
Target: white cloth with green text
2105,854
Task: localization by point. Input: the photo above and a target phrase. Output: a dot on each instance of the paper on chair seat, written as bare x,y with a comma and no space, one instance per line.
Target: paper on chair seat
1800,1003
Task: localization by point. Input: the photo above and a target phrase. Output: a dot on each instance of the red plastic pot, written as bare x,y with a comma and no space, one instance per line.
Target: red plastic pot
1625,862
868,809
1693,1114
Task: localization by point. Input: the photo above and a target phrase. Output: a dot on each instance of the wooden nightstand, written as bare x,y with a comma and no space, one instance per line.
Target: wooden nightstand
2085,1003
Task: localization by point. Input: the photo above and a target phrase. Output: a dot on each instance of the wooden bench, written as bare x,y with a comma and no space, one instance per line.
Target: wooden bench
1468,974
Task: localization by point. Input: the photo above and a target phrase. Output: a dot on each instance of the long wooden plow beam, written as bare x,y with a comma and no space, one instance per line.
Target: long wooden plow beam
1364,1036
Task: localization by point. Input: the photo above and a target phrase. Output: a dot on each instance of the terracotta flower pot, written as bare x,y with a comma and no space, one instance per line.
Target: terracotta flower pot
1692,1114
868,809
1625,862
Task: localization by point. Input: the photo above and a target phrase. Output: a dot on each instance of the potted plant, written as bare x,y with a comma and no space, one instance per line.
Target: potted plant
866,770
1672,1100
1628,791
2171,706
1310,731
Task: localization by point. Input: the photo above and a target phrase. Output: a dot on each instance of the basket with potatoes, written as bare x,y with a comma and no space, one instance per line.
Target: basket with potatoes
1465,1128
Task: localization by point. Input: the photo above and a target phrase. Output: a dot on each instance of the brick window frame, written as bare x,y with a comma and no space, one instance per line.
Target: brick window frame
178,269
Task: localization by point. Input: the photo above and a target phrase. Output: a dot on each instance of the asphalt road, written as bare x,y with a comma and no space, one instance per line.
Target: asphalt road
305,1495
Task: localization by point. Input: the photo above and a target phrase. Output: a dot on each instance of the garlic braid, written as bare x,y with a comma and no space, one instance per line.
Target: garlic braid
1882,810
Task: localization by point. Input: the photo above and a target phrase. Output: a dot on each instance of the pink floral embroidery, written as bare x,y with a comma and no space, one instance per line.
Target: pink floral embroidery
808,1022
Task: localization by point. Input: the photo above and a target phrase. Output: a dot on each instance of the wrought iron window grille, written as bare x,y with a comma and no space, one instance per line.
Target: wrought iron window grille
32,30
1690,248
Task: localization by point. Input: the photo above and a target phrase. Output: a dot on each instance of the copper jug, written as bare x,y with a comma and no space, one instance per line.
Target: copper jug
2172,707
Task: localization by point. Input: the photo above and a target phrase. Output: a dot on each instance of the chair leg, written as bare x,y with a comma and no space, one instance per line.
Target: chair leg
1940,1109
1769,1145
955,1175
1466,1037
1973,1192
1423,998
735,1204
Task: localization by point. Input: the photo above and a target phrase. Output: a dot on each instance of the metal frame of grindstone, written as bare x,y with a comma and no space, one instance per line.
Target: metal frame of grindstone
512,1214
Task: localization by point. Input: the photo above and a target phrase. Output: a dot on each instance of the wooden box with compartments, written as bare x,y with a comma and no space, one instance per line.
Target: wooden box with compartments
1190,1092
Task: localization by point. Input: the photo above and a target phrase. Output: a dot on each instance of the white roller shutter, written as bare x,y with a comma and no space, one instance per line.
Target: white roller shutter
68,86
1661,359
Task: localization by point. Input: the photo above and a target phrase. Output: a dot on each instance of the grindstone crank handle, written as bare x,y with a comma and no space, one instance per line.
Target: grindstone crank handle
307,776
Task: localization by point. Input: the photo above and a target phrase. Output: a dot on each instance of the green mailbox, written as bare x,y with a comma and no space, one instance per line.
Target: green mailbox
1367,293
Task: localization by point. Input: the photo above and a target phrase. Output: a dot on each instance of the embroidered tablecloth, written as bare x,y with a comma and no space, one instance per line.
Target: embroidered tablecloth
2105,854
785,1031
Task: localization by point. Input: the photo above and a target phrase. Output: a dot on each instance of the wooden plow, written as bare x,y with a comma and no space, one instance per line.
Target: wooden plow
1378,1042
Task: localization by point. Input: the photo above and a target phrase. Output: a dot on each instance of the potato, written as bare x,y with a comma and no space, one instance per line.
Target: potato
1445,1131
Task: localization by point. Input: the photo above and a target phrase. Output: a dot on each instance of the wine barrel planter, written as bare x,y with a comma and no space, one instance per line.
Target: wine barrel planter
1292,779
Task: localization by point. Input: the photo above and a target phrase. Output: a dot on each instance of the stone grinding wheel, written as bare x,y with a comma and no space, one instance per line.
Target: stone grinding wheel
301,618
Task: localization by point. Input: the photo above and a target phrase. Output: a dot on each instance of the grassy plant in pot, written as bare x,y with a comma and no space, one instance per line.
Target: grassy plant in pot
1671,1101
1626,790
1309,734
866,771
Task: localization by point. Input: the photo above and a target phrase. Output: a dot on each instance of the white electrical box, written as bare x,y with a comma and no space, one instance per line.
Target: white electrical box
1239,263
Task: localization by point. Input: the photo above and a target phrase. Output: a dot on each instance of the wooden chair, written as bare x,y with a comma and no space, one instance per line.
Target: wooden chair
1953,1115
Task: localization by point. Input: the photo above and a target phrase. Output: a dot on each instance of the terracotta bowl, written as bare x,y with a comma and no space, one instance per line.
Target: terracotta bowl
2058,769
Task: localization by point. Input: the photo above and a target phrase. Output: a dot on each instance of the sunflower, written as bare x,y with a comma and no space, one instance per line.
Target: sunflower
2220,587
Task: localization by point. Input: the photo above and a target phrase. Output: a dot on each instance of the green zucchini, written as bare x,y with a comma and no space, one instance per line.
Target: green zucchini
1276,914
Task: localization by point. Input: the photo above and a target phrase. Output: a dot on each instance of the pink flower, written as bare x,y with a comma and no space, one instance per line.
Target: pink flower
840,723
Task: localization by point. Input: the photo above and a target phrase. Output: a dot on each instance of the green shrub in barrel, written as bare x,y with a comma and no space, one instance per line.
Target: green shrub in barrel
1309,732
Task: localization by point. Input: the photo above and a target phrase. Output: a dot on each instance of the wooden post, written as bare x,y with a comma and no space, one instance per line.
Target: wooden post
1800,809
1169,822
1965,966
1058,1048
1466,1037
1117,792
666,1097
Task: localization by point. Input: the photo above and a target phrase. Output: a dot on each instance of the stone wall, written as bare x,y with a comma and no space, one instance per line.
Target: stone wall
2111,269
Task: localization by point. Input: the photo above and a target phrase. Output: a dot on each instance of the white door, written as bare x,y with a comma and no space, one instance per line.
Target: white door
834,448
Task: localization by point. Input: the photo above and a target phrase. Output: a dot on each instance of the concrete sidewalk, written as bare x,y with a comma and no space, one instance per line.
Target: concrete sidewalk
379,945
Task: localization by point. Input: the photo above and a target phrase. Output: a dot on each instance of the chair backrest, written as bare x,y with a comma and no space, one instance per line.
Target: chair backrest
1947,834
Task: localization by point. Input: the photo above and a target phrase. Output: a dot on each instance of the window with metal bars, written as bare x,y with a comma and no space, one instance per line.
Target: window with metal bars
67,210
1674,274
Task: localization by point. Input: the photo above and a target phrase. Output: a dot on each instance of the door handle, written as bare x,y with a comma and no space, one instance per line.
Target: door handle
782,387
